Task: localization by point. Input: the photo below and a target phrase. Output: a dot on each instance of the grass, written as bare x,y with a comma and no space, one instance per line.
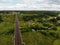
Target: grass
35,38
29,37
57,42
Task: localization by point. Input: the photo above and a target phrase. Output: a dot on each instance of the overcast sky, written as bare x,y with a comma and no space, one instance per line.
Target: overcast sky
30,5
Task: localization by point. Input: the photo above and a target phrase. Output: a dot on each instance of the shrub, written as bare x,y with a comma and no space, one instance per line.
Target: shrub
52,27
53,20
10,31
25,29
58,18
43,32
47,24
58,24
1,19
55,35
27,18
51,33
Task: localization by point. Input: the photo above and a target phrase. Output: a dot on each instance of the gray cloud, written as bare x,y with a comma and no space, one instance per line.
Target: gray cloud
54,2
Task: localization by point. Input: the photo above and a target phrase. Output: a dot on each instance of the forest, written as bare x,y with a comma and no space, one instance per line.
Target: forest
37,27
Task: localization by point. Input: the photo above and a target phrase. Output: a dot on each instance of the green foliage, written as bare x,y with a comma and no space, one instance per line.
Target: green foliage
43,22
58,18
1,19
11,31
25,29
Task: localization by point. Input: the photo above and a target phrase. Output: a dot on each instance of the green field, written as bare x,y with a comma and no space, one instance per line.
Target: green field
37,27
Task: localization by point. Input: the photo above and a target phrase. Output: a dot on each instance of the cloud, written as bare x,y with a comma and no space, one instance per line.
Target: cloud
9,2
30,5
55,2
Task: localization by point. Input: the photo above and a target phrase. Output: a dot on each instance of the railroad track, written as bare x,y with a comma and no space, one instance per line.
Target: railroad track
17,33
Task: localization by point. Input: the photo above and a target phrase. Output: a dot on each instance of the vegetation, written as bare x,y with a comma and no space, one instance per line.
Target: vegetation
37,27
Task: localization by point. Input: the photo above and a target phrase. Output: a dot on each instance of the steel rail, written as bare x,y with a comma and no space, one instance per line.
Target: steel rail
17,33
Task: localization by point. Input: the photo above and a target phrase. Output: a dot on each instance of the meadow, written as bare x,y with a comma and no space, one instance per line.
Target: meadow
37,27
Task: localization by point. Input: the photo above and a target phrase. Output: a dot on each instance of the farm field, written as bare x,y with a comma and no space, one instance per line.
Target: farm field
37,27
